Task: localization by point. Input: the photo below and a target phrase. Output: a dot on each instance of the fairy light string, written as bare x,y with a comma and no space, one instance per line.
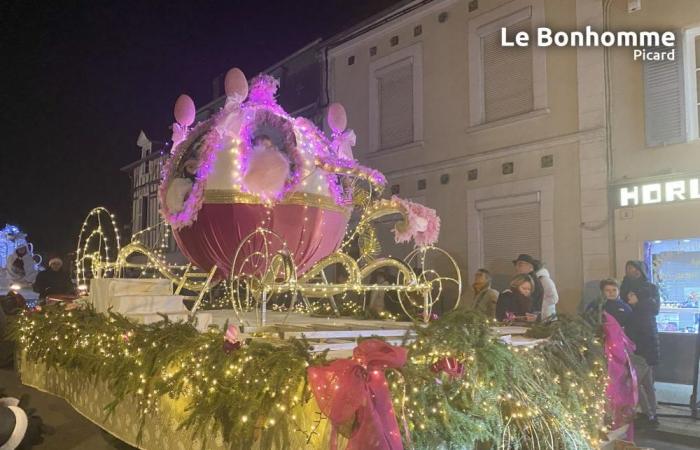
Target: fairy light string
549,396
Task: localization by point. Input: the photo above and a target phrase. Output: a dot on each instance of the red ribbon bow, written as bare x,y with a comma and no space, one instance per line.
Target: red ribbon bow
355,396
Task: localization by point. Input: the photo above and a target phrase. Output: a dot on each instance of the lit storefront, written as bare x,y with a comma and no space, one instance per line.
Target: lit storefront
658,221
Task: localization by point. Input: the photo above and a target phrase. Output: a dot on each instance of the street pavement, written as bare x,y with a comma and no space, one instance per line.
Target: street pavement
70,430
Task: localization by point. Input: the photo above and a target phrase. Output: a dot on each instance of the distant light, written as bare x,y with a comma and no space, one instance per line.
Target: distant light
82,287
15,287
686,240
657,242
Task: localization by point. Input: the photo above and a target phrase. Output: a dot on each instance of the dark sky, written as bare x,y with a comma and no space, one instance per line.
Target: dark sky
79,79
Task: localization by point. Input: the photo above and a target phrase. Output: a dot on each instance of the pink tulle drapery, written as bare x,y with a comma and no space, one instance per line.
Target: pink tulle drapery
622,386
311,233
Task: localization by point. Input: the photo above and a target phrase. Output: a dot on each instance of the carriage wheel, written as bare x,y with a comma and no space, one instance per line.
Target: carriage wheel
437,277
261,265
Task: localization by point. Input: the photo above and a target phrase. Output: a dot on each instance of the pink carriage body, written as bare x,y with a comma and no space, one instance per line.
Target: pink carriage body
310,233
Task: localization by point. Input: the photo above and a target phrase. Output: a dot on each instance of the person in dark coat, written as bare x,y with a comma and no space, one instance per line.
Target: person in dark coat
517,300
53,281
527,265
643,298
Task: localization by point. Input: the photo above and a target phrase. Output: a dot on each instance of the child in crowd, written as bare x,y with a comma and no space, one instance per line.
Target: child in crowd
612,303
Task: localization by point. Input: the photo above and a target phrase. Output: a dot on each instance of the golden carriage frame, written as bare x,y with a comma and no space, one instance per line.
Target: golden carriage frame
264,267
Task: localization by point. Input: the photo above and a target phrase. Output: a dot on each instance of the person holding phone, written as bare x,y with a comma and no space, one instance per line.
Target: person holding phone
517,300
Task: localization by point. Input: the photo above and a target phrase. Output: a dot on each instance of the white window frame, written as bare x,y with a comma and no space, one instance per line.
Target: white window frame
412,55
690,80
491,22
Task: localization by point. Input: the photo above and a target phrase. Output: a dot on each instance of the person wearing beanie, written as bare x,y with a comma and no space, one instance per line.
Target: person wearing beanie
54,281
643,298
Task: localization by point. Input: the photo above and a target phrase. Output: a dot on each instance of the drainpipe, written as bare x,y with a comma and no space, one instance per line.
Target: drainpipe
608,136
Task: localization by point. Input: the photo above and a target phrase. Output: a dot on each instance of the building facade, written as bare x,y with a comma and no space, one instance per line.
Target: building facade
507,144
531,150
655,161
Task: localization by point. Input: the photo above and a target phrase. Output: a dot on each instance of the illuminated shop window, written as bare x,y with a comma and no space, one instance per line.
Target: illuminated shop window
675,269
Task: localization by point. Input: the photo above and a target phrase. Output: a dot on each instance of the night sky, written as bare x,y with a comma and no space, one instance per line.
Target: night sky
80,79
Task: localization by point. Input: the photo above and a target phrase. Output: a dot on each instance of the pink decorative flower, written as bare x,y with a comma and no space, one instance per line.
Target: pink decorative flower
232,339
510,317
422,224
451,366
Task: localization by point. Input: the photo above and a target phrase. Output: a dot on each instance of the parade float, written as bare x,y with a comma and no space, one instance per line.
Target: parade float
261,204
19,265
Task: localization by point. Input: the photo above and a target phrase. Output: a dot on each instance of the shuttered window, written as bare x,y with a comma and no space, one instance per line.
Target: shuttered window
395,85
507,232
144,212
664,100
508,83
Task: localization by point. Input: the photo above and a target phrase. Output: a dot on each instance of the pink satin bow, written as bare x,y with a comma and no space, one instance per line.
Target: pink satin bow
355,396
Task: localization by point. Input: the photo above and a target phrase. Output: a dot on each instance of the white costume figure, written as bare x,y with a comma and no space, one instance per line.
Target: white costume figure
268,169
180,188
21,266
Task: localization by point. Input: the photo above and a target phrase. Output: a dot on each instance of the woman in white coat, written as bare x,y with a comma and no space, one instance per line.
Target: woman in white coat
551,296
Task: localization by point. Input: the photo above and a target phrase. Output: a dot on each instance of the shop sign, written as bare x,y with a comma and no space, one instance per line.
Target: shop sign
660,192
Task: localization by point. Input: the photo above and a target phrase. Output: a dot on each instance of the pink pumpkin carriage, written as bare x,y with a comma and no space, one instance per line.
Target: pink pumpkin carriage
265,199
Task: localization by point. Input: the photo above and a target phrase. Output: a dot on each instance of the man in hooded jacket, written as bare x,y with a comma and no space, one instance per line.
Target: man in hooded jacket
643,298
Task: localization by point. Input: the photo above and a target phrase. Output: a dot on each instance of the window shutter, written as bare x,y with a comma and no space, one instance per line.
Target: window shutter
507,75
396,105
664,99
144,212
506,233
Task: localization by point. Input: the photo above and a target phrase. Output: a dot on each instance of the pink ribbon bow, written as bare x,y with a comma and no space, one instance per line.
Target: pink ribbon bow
343,143
355,396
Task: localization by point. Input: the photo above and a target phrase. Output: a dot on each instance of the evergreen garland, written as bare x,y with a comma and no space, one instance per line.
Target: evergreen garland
549,397
242,393
546,397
